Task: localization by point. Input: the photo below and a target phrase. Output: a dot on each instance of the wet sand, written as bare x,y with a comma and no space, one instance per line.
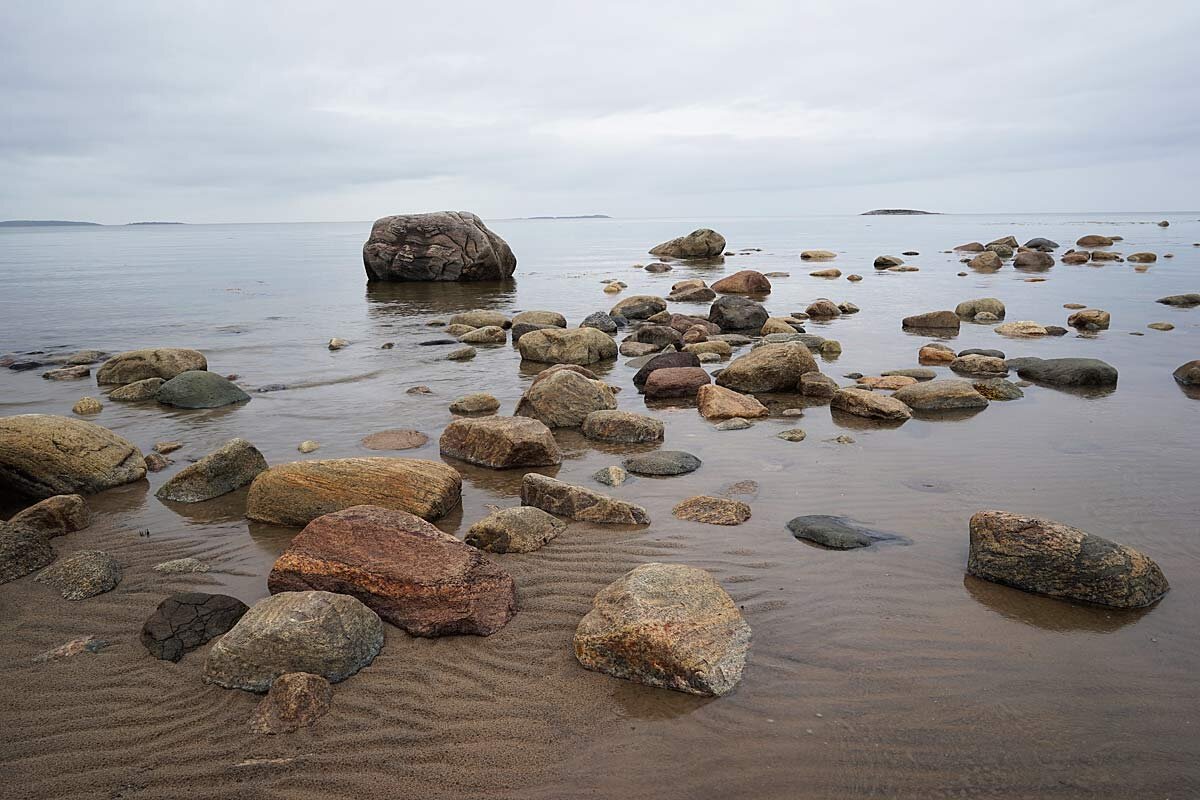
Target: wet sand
883,672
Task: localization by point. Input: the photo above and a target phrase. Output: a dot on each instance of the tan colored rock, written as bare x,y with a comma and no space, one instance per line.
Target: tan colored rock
55,516
623,427
722,349
500,442
578,502
769,368
832,272
42,455
477,403
297,493
638,306
481,318
138,390
1142,258
986,261
563,399
567,346
1094,240
890,382
712,510
865,403
717,403
935,354
1090,319
137,365
522,529
933,319
488,334
1020,328
818,255
943,395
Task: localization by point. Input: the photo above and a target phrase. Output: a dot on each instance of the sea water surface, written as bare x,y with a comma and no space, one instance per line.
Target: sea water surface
885,672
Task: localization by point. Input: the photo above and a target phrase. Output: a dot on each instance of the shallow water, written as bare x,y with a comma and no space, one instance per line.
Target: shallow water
877,673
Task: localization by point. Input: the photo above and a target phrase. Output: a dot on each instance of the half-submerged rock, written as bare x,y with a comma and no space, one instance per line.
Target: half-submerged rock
200,389
407,571
331,635
666,625
578,502
55,516
1065,371
1046,557
442,246
42,455
501,442
564,398
581,346
297,493
700,243
138,365
232,466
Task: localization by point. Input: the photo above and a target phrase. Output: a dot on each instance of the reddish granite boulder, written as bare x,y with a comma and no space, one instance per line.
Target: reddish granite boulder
675,382
407,571
747,281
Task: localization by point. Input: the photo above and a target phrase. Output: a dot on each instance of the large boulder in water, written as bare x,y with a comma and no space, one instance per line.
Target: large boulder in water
230,467
158,362
671,360
443,246
411,574
500,442
297,493
737,313
42,455
56,516
1046,557
769,368
700,243
567,346
331,635
200,389
1065,371
666,625
563,399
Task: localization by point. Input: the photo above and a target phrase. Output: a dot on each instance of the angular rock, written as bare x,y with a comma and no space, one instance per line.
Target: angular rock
297,493
522,529
138,390
600,321
746,281
865,403
692,294
138,365
623,427
700,243
1091,319
501,442
1046,557
230,467
567,346
442,246
42,455
55,516
183,622
675,382
814,384
411,574
1181,300
82,575
295,700
67,373
712,510
933,319
331,635
658,335
769,368
200,389
736,313
563,399
940,396
578,502
717,403
610,476
666,625
970,247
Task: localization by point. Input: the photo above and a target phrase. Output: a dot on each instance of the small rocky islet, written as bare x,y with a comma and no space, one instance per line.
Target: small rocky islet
367,557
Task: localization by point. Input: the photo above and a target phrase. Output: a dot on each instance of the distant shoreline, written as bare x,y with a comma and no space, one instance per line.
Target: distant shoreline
897,212
67,223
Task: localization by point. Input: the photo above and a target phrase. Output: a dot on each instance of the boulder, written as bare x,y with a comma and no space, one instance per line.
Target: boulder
232,466
1076,257
22,550
563,399
183,622
980,366
539,318
200,389
836,533
970,247
1033,259
1023,327
817,255
1046,557
578,502
712,510
1094,240
522,529
692,294
86,406
138,390
501,442
160,362
865,403
42,455
658,335
411,574
479,318
600,321
700,243
736,313
746,281
987,261
998,389
933,319
666,625
297,493
1039,243
295,700
567,346
990,305
1092,319
1181,300
675,382
935,353
331,635
717,402
491,334
823,308
82,575
662,463
1187,375
769,368
638,306
941,395
1065,371
623,427
883,262
664,361
814,384
477,403
442,246
55,516
780,325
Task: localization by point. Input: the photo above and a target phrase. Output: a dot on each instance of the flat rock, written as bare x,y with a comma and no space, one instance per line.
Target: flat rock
1181,300
998,389
395,439
295,700
933,319
712,510
185,621
836,533
411,574
664,361
67,373
979,365
481,318
501,442
623,427
477,403
1046,557
675,382
297,493
1021,328
182,566
42,455
522,529
200,389
666,625
82,575
138,390
941,396
578,502
868,404
662,462
331,635
1065,371
232,466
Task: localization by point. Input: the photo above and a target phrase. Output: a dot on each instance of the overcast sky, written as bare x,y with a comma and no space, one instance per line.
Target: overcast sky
253,111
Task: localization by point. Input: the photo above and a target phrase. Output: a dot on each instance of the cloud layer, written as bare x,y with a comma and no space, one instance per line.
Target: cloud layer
208,111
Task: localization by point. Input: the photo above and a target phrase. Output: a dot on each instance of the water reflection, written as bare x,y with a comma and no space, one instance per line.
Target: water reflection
229,507
854,422
385,299
650,703
1048,613
501,483
947,415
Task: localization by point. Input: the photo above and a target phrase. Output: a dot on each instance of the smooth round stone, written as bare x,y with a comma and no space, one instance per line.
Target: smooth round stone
662,462
200,389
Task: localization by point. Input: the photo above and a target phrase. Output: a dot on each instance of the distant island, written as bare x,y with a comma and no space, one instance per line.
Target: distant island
66,223
888,212
579,216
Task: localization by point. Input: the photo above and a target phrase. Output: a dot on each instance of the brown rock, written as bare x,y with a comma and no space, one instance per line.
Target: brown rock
986,261
522,529
814,384
970,247
768,368
717,402
746,281
933,319
865,403
623,427
395,439
55,516
578,502
823,307
295,700
712,510
1094,240
1090,319
137,365
42,455
563,399
675,382
297,493
1033,259
477,403
890,382
501,442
